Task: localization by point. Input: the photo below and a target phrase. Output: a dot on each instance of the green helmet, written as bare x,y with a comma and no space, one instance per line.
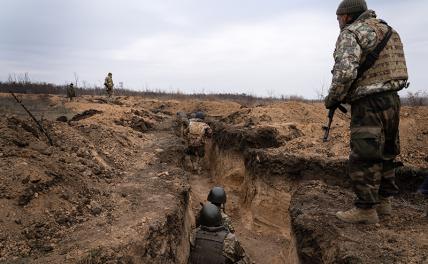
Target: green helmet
217,196
210,216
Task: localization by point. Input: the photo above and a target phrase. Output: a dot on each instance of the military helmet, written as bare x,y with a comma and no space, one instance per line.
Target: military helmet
200,115
110,74
217,196
210,215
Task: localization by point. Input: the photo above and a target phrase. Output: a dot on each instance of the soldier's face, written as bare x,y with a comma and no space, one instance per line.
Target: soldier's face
343,21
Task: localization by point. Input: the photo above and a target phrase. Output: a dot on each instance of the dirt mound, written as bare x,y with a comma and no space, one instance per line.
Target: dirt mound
322,238
242,138
85,114
112,188
100,193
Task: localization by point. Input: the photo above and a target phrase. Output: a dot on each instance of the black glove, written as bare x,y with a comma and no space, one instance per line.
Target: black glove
331,103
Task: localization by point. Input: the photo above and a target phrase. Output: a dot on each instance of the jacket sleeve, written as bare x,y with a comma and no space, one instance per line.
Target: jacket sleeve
347,57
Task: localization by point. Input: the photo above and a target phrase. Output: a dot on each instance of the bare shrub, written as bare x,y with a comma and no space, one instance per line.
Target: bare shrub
22,84
416,99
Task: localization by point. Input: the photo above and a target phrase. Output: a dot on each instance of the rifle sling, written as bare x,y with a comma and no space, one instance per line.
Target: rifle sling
374,55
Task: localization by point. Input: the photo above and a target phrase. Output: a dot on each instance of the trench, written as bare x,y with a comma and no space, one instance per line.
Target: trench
258,205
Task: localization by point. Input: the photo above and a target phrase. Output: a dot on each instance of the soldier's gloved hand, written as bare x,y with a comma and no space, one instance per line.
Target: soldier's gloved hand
331,103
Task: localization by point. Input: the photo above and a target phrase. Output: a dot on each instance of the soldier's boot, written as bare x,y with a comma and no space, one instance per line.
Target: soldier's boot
384,207
358,215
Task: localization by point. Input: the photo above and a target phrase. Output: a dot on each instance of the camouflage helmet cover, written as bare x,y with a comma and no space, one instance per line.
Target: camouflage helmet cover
200,115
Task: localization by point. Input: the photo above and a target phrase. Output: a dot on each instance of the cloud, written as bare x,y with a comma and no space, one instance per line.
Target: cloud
284,47
242,57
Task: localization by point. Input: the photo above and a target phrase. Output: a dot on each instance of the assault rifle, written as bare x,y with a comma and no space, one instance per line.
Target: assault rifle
330,120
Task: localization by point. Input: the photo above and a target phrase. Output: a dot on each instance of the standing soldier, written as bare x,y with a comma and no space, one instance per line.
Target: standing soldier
108,83
369,69
213,243
197,133
71,92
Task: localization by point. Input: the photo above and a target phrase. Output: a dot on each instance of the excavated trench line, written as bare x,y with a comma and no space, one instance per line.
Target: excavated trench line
257,204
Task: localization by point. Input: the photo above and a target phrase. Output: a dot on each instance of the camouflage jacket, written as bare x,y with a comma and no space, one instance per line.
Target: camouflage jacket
108,82
232,249
71,92
353,44
197,133
227,222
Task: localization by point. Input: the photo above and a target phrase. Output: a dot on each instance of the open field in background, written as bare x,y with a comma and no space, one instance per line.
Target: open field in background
418,98
39,105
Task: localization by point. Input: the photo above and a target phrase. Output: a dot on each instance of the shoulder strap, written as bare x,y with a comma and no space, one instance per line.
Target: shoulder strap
374,55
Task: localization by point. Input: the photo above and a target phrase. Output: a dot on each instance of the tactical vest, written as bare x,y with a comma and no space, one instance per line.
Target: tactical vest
208,248
391,64
196,133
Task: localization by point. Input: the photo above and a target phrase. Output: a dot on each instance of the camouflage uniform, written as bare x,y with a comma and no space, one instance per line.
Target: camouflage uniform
230,249
227,222
197,133
108,83
71,92
375,105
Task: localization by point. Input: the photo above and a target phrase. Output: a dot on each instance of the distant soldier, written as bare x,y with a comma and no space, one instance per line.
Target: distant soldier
71,92
108,83
369,70
213,243
197,134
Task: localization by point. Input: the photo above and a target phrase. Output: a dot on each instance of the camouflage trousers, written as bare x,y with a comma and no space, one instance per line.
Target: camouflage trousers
109,91
374,145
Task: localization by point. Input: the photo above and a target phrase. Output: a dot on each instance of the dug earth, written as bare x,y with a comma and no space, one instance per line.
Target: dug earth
113,187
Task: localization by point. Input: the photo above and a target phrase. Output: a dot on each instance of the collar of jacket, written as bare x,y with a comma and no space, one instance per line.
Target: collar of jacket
213,228
366,15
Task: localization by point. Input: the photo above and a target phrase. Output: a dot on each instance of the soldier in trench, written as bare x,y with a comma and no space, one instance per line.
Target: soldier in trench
217,196
213,243
197,134
370,85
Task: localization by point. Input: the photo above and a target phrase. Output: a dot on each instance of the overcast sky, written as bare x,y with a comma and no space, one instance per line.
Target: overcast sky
270,47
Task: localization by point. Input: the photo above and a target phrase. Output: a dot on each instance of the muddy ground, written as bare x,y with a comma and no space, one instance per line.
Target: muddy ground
114,189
